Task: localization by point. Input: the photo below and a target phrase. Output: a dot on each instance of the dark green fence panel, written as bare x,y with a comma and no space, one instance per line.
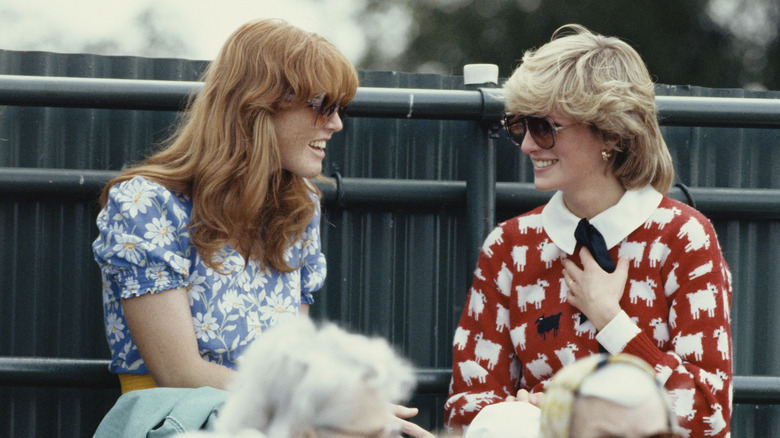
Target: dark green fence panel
396,229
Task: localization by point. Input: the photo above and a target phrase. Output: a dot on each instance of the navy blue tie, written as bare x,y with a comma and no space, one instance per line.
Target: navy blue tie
588,236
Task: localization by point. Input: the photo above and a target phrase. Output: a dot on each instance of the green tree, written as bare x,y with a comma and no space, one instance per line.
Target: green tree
679,40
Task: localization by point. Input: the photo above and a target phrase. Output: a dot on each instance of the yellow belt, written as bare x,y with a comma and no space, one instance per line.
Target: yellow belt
134,382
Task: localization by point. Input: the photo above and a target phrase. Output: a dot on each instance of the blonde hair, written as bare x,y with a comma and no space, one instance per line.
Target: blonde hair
225,154
566,387
602,82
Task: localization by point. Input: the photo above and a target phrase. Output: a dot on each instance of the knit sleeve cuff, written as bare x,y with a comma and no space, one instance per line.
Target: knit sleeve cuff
617,333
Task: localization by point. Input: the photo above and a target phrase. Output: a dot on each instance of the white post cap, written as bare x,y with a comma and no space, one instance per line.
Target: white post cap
474,74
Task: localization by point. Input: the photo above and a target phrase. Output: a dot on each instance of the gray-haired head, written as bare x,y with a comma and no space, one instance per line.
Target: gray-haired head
300,376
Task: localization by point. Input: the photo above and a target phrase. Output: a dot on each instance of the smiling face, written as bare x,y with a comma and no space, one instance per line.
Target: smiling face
576,167
574,164
301,145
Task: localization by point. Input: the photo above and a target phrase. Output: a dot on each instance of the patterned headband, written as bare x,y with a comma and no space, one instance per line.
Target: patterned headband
562,391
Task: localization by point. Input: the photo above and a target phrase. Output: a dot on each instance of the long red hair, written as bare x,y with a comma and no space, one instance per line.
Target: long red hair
225,155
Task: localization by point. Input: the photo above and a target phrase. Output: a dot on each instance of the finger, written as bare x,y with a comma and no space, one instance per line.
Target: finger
536,399
404,412
587,259
569,279
570,265
522,395
623,264
414,430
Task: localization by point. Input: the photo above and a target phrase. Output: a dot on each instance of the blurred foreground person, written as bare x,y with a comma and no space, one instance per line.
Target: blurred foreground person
301,381
607,396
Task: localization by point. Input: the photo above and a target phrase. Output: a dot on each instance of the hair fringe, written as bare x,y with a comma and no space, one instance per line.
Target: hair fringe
602,82
224,154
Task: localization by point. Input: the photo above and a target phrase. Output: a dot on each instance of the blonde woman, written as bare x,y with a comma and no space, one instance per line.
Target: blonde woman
609,264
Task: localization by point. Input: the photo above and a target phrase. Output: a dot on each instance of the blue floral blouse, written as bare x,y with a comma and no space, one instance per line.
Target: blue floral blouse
144,247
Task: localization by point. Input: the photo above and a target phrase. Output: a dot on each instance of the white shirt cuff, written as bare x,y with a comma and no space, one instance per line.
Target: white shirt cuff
618,333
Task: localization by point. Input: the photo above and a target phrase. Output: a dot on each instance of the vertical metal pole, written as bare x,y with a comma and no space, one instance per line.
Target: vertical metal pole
481,183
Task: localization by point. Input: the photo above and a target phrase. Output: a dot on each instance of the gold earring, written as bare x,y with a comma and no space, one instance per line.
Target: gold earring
606,155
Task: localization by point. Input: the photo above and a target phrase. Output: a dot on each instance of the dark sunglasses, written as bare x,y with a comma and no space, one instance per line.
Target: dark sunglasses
324,109
542,129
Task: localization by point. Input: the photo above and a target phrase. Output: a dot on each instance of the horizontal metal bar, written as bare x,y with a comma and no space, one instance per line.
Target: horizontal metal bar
16,181
95,93
56,372
482,104
59,372
719,111
426,195
729,203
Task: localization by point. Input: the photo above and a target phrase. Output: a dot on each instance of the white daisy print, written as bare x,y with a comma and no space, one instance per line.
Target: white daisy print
195,287
159,232
159,273
278,308
114,328
254,327
135,197
232,302
127,248
205,326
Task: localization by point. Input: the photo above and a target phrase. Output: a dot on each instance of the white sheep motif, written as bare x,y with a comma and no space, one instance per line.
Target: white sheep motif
723,342
701,270
658,253
549,253
470,370
697,237
671,284
564,294
518,257
713,380
474,401
502,318
504,280
461,338
660,331
585,327
642,289
495,237
539,367
633,250
662,216
533,221
689,344
518,336
487,350
566,354
682,400
531,294
703,299
476,304
673,317
716,421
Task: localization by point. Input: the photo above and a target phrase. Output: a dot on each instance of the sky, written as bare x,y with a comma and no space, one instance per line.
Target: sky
195,29
190,29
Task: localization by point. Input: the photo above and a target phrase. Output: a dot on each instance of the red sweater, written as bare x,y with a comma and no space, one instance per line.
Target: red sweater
517,329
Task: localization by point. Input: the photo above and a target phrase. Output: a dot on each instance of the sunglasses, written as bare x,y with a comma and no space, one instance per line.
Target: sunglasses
542,129
324,109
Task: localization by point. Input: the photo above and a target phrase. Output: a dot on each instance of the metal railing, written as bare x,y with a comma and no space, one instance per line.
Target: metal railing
482,105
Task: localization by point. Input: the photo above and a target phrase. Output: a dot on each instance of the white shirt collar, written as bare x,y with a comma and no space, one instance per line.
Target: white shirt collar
614,223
